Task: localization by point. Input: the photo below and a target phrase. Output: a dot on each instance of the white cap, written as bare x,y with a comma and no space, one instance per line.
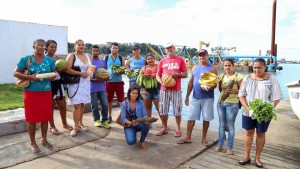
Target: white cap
168,44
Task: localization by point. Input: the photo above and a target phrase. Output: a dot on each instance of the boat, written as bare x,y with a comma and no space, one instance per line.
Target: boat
294,94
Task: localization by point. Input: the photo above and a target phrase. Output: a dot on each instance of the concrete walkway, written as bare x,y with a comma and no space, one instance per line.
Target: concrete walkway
101,148
104,148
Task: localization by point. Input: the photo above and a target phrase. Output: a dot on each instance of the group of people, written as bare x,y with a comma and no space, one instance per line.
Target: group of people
91,89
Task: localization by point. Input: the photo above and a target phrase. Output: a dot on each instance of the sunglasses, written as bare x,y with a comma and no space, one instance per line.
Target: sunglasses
202,54
168,48
135,49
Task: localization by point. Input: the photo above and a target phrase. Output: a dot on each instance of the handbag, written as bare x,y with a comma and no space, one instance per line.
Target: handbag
68,78
119,119
22,82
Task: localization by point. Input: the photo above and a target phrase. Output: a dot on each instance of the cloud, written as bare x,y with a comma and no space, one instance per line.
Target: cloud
232,23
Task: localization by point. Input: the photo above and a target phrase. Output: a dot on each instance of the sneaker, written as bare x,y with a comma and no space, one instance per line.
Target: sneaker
109,120
105,125
97,123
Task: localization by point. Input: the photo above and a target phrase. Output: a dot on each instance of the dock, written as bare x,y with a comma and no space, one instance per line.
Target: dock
106,148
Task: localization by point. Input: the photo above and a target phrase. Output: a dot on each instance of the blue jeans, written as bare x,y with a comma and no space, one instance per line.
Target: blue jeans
101,96
227,115
130,133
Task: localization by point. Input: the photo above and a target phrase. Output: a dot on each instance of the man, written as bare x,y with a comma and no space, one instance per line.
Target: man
203,98
115,83
98,92
175,67
135,62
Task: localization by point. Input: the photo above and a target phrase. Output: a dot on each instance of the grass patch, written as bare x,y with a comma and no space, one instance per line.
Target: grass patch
11,97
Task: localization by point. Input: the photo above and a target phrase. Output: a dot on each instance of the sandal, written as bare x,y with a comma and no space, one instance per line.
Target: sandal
205,143
74,132
48,145
177,133
36,150
70,128
161,132
84,128
183,142
229,152
218,149
54,131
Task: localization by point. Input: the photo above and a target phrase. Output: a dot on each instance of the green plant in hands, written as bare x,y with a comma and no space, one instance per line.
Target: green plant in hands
263,111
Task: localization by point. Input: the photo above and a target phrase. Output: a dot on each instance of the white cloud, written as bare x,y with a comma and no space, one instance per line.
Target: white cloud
243,24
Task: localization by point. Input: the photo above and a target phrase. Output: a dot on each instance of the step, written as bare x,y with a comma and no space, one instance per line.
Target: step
13,121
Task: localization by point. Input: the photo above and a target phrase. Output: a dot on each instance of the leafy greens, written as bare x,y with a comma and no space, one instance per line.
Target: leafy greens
262,111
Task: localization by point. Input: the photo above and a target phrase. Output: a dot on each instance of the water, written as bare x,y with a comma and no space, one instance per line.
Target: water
289,73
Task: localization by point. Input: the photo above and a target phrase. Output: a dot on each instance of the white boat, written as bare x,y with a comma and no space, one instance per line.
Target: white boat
294,94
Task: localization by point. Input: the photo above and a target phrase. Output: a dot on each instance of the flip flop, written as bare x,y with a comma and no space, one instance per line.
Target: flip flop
205,143
54,131
36,150
177,133
48,146
70,128
183,142
161,132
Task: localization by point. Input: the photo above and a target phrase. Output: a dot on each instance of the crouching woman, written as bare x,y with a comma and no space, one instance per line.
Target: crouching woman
131,109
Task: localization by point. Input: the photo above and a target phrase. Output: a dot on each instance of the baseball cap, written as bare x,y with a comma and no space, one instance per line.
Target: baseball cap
136,47
203,51
169,44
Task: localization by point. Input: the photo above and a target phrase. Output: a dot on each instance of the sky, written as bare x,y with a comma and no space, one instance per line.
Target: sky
245,25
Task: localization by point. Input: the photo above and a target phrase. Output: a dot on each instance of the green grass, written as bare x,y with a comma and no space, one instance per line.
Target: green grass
11,97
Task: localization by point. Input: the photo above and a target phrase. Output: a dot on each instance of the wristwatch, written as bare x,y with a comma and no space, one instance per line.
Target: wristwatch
177,74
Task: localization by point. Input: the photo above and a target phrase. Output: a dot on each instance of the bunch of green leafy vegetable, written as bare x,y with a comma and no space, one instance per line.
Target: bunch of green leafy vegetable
263,111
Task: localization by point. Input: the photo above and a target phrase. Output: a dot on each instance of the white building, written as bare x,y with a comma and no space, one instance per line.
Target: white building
16,41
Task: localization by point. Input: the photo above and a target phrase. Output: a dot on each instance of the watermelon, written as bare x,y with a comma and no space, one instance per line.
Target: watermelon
61,64
102,73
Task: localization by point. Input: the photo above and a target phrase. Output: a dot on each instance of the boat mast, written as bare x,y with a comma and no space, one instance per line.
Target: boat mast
273,45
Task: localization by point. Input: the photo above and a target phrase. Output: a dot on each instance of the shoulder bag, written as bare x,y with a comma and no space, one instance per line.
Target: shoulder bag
22,82
68,78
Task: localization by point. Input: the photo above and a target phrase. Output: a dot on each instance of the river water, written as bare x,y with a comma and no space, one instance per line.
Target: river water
290,72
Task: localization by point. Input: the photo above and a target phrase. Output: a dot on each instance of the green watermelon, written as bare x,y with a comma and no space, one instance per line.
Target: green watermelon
61,64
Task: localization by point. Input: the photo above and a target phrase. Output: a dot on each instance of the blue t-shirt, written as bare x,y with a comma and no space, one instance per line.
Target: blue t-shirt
112,76
98,86
136,64
46,66
198,93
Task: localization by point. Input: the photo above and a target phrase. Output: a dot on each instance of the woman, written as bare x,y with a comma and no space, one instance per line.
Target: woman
150,95
37,96
58,94
131,109
257,85
80,92
228,106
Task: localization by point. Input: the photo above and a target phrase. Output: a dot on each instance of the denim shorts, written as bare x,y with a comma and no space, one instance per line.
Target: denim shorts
206,106
154,95
248,123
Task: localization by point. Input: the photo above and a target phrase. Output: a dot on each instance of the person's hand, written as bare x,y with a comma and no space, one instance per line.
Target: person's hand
52,78
152,76
187,101
84,75
205,88
134,124
33,77
60,70
128,70
174,75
